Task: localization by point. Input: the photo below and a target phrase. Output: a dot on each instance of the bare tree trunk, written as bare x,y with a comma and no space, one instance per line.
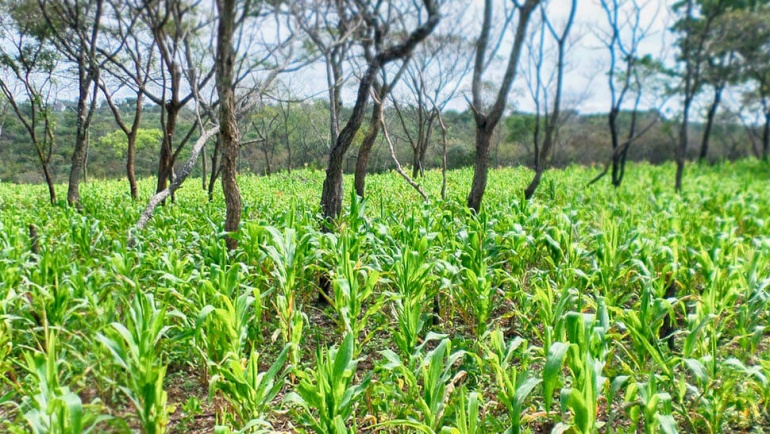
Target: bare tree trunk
553,120
480,166
766,138
486,123
331,195
228,125
215,169
79,153
704,147
268,169
288,144
130,169
165,163
203,168
613,122
681,151
183,174
362,162
627,145
443,159
85,159
49,182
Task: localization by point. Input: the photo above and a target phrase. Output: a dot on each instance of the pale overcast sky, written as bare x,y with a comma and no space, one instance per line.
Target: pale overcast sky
585,82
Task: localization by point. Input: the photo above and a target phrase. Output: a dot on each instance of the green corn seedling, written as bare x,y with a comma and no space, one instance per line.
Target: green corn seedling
326,396
514,383
135,348
249,391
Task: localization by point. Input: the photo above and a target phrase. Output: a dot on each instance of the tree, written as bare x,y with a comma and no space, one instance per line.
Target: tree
331,195
30,62
752,30
75,27
488,117
228,125
330,27
124,31
694,28
551,120
623,40
433,78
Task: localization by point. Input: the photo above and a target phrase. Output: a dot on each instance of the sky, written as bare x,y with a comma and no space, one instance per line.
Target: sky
585,84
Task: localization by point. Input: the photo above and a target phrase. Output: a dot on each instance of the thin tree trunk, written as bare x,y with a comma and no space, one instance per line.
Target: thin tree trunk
227,121
766,138
480,167
215,168
185,171
165,163
85,159
49,182
203,167
443,159
130,169
79,153
288,144
681,151
552,119
613,122
362,162
486,123
268,169
704,147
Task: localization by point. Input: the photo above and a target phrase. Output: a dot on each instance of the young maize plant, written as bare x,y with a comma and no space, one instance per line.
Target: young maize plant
428,383
326,396
524,291
414,284
222,328
585,358
47,407
135,347
289,255
249,392
513,381
476,292
353,286
467,415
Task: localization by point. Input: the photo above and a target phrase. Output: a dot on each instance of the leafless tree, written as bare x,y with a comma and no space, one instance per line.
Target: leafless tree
433,78
552,119
122,30
331,196
75,31
488,117
626,32
331,27
28,86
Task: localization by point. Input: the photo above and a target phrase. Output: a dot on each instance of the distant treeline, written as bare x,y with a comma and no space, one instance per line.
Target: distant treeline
277,137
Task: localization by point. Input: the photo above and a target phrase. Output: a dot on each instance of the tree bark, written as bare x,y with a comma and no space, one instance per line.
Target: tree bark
681,151
49,182
228,126
704,147
183,174
165,161
331,195
480,166
486,123
362,162
552,119
83,122
215,169
766,138
613,122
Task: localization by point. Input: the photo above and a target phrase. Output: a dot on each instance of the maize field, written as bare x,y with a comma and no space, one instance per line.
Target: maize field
585,310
